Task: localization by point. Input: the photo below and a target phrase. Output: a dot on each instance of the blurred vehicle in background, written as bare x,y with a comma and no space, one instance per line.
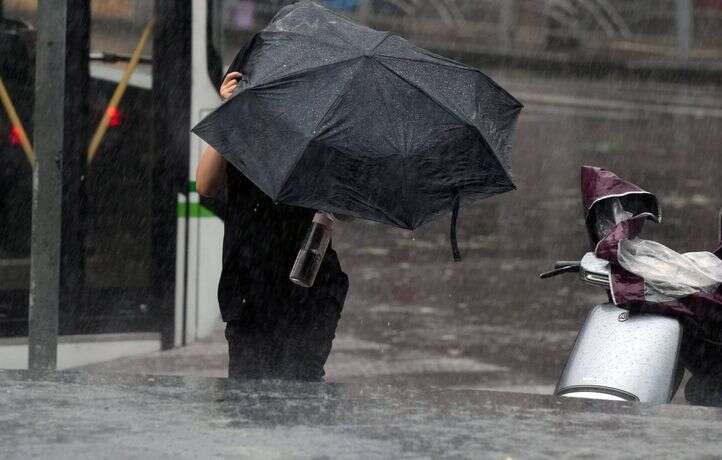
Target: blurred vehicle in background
115,248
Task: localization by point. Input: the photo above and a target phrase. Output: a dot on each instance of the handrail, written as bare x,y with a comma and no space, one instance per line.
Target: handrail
118,93
103,56
16,123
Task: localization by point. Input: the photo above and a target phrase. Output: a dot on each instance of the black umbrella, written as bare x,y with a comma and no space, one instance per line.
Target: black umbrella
339,117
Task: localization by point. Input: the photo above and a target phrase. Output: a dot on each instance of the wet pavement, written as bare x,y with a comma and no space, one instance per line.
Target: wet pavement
414,317
421,337
79,415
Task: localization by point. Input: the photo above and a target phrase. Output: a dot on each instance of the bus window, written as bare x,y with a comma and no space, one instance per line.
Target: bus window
17,71
119,200
118,196
116,26
21,10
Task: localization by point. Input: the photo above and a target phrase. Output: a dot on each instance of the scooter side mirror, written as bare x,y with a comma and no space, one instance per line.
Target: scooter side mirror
594,270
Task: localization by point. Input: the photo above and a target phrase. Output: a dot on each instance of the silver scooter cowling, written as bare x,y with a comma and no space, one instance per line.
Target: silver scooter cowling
616,355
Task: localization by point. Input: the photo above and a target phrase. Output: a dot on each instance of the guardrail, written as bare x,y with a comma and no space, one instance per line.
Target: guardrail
538,24
644,28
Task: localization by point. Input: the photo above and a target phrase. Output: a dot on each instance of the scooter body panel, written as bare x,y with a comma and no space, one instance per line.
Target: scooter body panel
627,357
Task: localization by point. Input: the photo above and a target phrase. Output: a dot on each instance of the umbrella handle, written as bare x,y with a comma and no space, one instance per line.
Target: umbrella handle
452,236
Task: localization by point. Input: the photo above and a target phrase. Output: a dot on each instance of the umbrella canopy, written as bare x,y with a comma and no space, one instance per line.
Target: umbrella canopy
599,184
339,117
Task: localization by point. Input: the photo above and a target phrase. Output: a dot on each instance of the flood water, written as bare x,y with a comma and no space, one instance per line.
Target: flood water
415,317
489,321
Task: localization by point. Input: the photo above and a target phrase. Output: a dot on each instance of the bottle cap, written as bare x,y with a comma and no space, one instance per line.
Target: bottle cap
323,219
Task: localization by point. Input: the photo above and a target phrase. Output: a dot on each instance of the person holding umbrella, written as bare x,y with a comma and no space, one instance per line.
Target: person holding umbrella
338,117
275,329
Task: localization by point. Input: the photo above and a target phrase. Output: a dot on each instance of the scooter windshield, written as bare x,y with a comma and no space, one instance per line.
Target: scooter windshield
609,200
608,212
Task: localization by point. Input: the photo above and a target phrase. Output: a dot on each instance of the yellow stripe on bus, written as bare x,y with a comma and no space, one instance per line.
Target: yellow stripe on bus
118,93
16,123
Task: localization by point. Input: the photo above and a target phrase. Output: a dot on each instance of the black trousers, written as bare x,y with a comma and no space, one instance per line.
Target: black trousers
703,358
289,337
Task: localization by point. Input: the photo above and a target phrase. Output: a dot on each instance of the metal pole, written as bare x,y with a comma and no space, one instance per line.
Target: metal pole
171,126
685,27
47,185
77,79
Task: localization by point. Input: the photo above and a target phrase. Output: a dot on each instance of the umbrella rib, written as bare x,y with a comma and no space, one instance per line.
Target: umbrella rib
383,39
280,78
455,115
335,102
450,65
447,62
387,216
312,39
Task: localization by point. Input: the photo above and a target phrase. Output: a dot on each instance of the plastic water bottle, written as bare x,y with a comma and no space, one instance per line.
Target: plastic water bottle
310,256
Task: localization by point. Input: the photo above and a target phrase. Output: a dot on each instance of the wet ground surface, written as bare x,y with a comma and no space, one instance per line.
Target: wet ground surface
414,317
420,335
78,415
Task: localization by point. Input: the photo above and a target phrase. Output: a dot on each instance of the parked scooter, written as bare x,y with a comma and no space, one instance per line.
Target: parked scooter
620,354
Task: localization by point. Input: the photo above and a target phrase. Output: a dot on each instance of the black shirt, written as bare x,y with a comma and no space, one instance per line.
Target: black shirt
260,244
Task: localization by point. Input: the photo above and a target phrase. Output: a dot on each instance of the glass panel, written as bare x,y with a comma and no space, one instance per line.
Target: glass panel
116,209
117,25
21,10
17,70
118,183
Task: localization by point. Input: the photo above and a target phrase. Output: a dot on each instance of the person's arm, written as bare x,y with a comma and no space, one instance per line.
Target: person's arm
211,171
